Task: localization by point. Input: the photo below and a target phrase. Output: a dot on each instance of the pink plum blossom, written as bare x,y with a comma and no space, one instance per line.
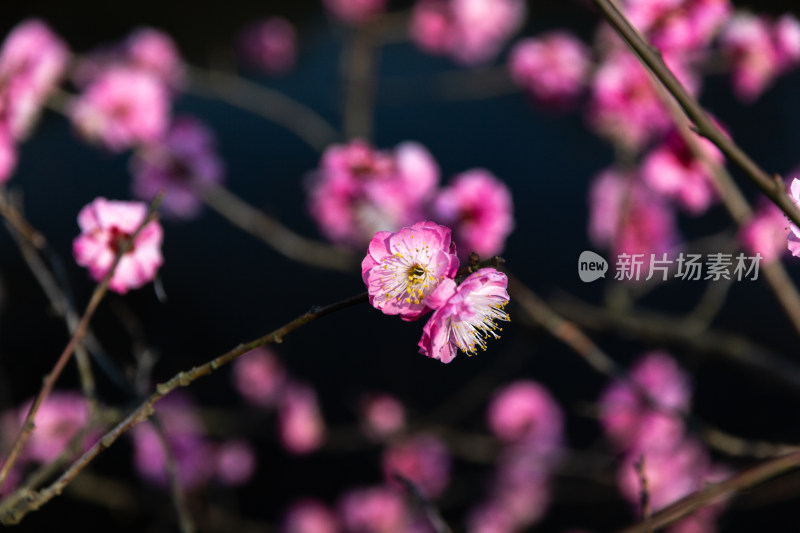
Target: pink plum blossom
235,462
259,377
383,416
121,108
60,417
32,61
358,191
521,487
766,233
270,45
302,428
377,509
479,208
421,459
355,11
787,41
105,224
671,169
647,224
310,516
401,270
465,315
553,68
183,164
524,411
794,236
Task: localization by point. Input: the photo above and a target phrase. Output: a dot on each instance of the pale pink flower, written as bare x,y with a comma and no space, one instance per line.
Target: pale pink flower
358,191
401,270
355,11
310,516
259,377
121,108
787,41
235,462
636,424
183,163
62,415
671,169
552,68
377,509
794,236
766,233
382,416
270,45
104,225
32,61
479,208
524,411
8,155
302,428
433,27
421,459
466,315
647,224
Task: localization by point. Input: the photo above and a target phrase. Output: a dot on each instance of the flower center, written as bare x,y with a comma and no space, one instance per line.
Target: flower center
116,237
471,334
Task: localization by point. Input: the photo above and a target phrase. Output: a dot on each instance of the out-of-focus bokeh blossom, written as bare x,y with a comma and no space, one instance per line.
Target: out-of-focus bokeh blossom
378,509
421,459
355,11
382,416
269,45
525,412
310,516
766,233
60,417
259,377
302,428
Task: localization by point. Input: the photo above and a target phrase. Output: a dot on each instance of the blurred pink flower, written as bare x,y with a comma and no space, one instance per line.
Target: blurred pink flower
465,315
401,270
524,411
422,459
794,235
630,421
490,517
259,377
183,163
121,108
377,509
679,26
766,233
302,428
521,487
646,226
8,155
310,516
355,11
671,169
269,45
32,62
58,420
235,462
553,68
382,416
480,209
358,191
787,41
104,225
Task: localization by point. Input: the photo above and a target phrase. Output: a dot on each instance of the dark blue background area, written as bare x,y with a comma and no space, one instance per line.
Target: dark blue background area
224,286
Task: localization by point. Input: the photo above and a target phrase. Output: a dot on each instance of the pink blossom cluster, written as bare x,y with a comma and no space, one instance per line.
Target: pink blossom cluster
642,415
198,459
468,31
412,272
269,45
358,191
32,62
529,422
263,381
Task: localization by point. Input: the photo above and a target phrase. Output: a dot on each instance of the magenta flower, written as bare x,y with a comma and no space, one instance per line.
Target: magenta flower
259,377
525,412
32,61
401,270
465,315
235,462
310,516
553,68
374,509
104,224
355,11
794,235
302,428
122,108
479,208
270,45
382,416
766,233
358,191
183,163
58,420
421,459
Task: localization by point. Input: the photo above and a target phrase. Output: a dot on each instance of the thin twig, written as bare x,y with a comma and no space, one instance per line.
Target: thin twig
12,514
428,507
644,490
176,491
360,66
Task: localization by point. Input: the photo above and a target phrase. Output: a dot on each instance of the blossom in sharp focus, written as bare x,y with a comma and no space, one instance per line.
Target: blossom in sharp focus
401,270
421,459
525,412
183,163
122,108
310,516
766,233
269,45
105,225
377,509
302,428
358,190
466,315
479,208
382,416
552,68
259,377
32,61
355,11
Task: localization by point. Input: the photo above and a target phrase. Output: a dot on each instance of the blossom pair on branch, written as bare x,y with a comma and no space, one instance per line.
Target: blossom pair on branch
413,271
